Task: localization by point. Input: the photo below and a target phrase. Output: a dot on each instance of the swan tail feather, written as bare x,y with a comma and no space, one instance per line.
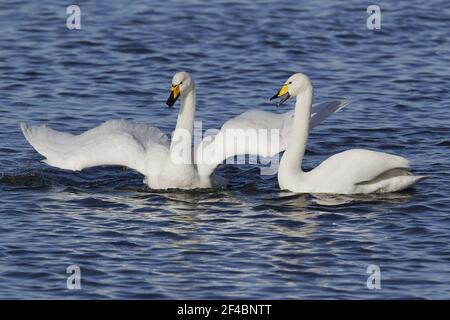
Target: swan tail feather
393,184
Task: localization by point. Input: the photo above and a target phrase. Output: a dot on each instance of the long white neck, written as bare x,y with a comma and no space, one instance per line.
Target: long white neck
290,165
181,146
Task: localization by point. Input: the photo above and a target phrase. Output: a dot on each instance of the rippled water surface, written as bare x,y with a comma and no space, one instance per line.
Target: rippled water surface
249,240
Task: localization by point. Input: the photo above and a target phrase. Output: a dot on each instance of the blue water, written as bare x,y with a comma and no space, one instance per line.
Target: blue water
249,240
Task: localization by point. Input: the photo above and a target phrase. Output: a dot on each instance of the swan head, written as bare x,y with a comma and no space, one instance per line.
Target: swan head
182,83
294,86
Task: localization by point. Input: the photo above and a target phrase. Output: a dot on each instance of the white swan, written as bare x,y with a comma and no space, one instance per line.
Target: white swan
169,164
349,172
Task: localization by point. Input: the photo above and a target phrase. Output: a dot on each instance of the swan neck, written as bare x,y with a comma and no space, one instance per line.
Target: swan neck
181,145
296,147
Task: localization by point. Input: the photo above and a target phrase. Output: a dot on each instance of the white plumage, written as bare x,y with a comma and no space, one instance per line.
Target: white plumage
272,130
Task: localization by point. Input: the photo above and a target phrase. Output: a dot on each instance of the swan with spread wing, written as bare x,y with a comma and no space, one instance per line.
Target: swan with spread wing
170,163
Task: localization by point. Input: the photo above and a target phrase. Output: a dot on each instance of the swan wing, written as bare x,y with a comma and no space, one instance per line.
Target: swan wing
347,171
115,142
255,132
323,110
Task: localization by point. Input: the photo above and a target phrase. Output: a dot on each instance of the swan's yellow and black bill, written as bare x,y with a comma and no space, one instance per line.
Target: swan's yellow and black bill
174,94
283,93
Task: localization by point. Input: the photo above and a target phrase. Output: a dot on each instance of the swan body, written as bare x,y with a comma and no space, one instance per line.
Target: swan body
169,163
349,172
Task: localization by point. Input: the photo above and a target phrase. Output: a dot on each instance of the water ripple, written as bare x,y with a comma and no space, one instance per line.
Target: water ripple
249,240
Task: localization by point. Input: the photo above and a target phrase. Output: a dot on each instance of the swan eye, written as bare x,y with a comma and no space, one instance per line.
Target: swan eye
290,82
